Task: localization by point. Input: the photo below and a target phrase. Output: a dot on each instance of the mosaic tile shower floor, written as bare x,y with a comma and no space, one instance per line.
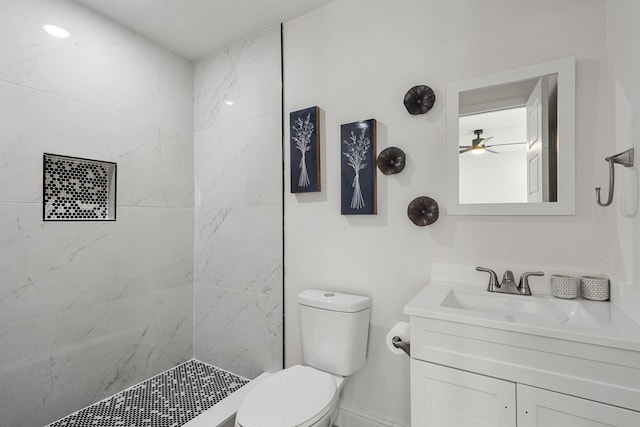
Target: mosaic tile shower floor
169,399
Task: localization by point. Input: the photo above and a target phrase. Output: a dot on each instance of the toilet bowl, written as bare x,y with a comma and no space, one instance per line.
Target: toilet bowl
334,329
299,396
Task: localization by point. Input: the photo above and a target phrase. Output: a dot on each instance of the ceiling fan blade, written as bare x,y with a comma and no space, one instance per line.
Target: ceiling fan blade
481,142
465,146
510,143
491,151
464,150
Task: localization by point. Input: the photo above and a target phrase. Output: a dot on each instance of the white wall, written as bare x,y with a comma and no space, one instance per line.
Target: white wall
88,309
355,60
493,178
624,86
238,225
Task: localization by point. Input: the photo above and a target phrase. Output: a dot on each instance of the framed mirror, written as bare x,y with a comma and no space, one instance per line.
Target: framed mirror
511,142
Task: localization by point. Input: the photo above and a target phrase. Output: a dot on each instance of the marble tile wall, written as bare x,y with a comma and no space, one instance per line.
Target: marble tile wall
89,308
238,197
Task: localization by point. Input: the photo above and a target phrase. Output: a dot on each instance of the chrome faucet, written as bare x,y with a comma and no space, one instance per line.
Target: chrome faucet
508,285
523,285
493,279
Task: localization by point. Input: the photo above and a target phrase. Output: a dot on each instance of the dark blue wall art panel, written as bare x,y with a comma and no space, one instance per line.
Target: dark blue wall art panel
305,150
358,168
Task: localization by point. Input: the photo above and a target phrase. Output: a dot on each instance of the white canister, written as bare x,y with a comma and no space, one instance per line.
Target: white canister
563,286
595,288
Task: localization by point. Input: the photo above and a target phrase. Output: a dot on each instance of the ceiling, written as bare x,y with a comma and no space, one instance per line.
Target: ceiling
195,28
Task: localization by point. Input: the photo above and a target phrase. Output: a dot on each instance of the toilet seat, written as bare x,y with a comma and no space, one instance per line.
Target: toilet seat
295,397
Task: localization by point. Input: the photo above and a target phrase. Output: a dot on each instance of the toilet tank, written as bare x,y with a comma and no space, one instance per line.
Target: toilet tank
335,330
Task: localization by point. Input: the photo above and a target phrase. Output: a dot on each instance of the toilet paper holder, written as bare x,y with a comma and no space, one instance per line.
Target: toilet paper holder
404,346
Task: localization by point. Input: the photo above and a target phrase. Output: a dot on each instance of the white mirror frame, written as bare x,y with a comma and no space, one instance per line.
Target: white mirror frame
566,70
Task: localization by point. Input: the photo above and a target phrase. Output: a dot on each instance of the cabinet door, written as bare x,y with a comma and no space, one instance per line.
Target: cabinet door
447,397
543,408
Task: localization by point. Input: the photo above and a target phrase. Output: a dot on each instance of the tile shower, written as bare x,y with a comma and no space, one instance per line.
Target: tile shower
90,308
169,399
238,207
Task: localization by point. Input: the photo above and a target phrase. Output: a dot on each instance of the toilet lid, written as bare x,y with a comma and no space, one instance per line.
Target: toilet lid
290,397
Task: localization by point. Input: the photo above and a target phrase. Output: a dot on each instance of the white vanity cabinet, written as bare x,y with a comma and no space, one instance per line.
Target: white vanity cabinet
446,397
490,368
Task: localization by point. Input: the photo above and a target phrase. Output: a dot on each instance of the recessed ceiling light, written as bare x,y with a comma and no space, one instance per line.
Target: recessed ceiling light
54,30
229,102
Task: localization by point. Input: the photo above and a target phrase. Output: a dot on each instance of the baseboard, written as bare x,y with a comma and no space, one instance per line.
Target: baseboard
350,416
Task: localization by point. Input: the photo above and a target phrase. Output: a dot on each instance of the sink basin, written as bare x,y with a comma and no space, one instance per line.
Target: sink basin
516,308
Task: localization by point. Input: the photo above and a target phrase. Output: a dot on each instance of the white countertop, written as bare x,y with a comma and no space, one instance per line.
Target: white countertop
612,327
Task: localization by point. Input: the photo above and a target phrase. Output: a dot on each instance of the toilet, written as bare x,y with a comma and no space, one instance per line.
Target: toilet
334,328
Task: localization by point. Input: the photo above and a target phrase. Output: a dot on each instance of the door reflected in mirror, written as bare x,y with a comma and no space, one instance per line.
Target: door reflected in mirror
511,143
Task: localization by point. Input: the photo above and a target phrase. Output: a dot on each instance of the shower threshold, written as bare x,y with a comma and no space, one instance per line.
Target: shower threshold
193,393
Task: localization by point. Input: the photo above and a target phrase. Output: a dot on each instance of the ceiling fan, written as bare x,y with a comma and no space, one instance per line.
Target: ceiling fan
478,144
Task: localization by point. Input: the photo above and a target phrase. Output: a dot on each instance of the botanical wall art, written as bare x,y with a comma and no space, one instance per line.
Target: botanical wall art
305,150
358,168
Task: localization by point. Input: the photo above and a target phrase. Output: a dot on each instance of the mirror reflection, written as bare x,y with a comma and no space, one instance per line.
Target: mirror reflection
508,142
511,141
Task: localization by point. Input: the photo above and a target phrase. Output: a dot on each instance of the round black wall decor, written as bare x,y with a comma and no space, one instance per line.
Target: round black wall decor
391,161
423,211
419,99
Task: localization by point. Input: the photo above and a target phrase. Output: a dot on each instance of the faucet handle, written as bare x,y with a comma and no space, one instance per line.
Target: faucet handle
493,279
523,285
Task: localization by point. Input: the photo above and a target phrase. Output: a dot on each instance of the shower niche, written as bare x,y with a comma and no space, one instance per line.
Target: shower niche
77,189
